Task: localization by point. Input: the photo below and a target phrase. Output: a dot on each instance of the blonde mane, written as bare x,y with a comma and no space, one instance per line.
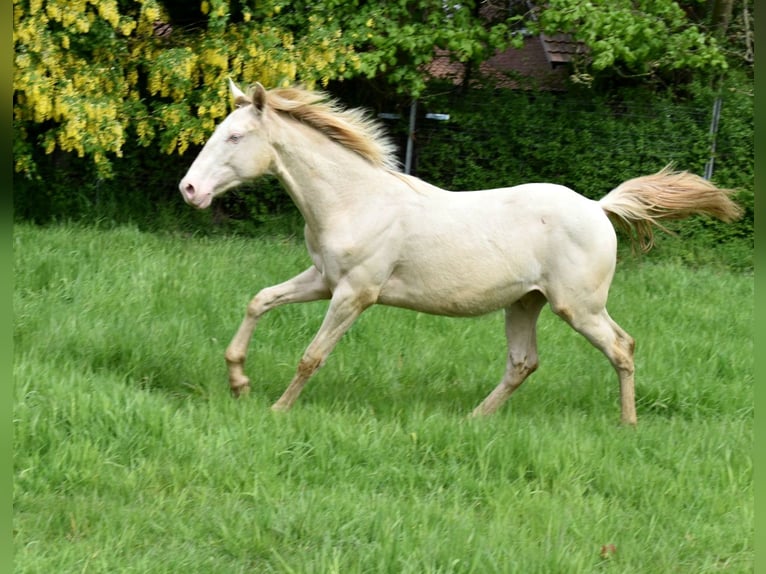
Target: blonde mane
352,128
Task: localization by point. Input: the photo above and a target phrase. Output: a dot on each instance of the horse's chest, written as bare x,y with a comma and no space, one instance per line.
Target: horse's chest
343,258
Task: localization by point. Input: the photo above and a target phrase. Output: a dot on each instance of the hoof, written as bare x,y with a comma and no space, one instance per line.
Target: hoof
240,390
480,412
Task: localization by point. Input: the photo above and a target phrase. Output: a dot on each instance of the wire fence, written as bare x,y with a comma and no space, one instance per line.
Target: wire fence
549,136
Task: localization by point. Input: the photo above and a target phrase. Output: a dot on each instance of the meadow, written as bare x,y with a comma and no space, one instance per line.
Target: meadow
131,456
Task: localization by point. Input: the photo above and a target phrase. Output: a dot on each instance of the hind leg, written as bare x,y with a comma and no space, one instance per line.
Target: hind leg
520,331
607,336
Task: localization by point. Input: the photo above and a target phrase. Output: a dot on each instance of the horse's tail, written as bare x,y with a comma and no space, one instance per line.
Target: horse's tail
640,203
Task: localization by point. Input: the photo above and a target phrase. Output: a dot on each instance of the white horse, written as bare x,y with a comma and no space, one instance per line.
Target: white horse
376,235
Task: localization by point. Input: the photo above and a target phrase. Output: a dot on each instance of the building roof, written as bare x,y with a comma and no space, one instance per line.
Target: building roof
542,62
561,48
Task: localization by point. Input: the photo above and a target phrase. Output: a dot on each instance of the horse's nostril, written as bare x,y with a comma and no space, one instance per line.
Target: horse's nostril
188,190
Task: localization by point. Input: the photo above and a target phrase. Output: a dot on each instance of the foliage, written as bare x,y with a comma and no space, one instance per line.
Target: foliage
644,37
395,40
90,75
613,136
130,455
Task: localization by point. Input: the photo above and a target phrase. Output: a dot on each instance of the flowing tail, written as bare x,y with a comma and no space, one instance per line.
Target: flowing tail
639,204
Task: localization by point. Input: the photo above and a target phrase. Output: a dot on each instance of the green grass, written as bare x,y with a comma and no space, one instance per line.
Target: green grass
130,455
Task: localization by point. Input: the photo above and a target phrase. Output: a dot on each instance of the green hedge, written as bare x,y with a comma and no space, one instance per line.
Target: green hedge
144,191
587,141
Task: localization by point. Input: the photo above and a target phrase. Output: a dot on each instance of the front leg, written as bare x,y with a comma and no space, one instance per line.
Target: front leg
346,305
307,286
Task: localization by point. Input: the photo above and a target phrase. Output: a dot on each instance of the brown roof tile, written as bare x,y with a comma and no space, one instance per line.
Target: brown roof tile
561,48
512,68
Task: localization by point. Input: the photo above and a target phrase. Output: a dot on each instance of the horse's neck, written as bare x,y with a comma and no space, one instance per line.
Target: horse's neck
325,180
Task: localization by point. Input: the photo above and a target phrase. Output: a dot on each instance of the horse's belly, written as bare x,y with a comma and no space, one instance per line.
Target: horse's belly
450,294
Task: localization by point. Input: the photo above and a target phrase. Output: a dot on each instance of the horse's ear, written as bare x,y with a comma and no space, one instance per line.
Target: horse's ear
237,95
259,96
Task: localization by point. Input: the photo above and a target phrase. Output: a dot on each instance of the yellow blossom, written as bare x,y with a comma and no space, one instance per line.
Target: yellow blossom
107,9
127,27
151,12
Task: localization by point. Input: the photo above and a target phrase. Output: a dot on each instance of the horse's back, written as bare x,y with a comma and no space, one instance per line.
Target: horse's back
562,212
540,217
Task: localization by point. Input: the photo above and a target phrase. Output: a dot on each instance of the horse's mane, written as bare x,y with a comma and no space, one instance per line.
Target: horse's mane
352,128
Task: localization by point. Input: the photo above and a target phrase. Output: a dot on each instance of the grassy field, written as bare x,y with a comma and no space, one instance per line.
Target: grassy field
130,455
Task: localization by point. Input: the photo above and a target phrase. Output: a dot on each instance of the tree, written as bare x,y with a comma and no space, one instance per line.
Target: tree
91,73
721,15
631,37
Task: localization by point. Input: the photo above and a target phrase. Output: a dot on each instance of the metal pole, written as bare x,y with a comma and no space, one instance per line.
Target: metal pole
713,134
410,137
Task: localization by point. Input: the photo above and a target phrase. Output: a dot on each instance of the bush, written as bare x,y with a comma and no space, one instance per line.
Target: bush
144,192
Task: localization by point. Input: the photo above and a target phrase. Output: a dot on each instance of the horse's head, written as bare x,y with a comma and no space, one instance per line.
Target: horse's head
237,152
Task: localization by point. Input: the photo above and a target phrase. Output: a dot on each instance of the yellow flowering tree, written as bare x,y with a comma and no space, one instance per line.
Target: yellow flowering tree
90,73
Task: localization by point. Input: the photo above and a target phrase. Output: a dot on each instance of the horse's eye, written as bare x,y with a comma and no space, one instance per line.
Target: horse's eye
234,138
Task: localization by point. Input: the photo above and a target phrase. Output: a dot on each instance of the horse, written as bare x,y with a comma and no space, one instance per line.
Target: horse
379,236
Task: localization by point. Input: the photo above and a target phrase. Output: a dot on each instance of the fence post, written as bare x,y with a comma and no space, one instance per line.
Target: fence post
713,133
410,137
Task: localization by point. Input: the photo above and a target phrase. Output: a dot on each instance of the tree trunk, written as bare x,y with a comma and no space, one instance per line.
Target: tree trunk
720,16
